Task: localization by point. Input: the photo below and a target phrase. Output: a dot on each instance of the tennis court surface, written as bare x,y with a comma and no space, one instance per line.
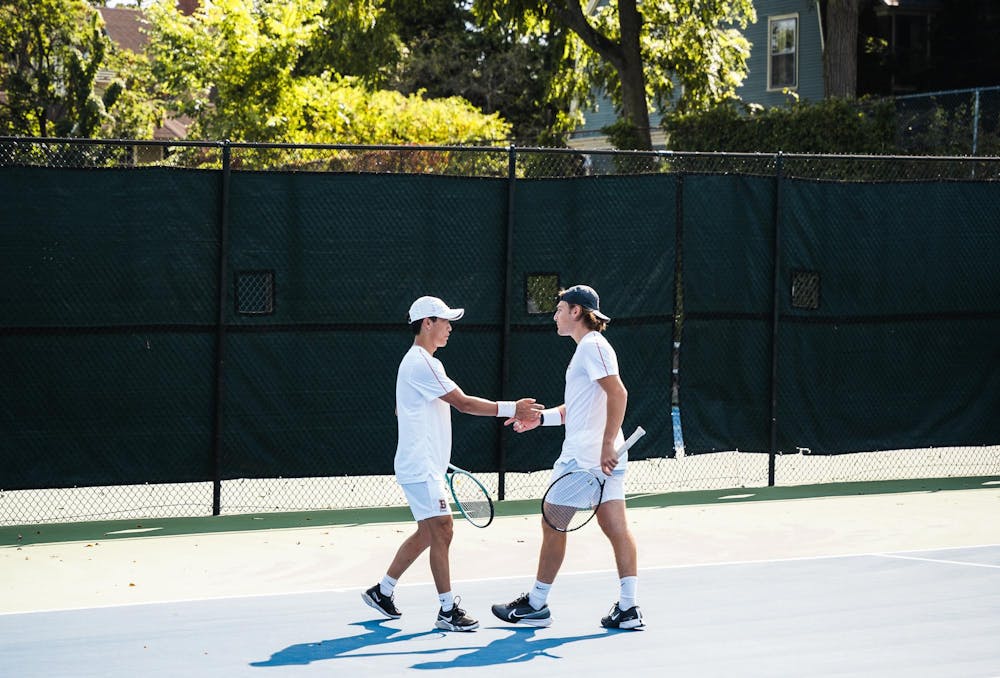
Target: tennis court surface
903,584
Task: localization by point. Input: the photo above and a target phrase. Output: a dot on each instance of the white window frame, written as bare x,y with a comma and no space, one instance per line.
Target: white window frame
771,21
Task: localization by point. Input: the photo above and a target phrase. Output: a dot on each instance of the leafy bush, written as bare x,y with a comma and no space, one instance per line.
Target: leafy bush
829,126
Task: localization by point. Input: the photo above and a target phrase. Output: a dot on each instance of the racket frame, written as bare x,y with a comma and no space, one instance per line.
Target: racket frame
592,510
601,479
478,522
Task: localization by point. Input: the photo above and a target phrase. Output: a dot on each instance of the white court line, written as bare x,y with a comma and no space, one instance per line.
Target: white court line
349,589
938,560
787,559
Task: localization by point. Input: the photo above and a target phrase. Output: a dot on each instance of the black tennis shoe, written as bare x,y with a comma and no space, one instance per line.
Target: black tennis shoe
455,619
520,611
384,604
630,619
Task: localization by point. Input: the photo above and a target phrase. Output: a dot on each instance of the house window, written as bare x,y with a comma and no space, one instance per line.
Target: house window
782,64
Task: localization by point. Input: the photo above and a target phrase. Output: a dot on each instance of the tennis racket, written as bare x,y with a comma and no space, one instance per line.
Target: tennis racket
572,498
471,497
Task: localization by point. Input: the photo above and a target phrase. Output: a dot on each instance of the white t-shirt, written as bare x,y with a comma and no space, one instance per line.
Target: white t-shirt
424,446
587,403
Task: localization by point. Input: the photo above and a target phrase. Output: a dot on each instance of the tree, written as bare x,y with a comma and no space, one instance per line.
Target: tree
437,48
234,66
138,108
491,66
50,53
641,54
840,56
358,38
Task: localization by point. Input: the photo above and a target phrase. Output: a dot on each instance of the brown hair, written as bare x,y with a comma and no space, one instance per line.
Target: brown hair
589,319
592,321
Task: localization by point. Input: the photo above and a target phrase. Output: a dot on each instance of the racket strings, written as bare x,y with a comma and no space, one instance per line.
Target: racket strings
571,500
472,499
476,509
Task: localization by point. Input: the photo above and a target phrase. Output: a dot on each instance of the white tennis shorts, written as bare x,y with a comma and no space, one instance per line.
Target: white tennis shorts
614,487
427,499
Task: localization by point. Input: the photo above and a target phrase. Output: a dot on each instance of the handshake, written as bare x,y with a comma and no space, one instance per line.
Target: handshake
527,415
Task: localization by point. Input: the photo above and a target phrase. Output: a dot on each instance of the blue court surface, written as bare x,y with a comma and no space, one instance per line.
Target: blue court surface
913,613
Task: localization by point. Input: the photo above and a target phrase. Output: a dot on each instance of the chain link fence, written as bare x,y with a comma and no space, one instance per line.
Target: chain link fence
954,122
175,312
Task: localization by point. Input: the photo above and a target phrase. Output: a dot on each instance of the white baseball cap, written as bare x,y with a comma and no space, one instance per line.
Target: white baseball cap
432,307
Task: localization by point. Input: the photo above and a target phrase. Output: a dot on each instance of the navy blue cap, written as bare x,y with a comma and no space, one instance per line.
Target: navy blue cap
583,295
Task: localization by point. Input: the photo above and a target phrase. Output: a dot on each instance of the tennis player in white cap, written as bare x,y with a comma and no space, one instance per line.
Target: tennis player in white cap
424,398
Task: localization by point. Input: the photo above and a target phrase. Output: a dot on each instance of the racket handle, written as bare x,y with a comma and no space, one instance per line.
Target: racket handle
632,439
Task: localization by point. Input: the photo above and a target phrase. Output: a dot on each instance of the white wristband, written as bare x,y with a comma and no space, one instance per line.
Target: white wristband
551,417
506,408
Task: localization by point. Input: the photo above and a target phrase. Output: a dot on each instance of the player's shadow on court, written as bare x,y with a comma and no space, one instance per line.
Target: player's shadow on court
375,634
520,646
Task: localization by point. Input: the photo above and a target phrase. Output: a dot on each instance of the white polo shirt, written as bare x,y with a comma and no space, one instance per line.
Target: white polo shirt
424,446
587,403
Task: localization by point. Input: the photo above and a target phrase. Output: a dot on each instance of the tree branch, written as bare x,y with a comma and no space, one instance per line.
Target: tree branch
570,13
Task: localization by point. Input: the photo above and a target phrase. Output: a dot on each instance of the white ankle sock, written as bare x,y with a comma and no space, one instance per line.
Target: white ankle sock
539,594
626,598
447,600
387,585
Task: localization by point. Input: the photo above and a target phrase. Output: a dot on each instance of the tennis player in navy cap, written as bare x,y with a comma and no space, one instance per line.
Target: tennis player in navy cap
592,412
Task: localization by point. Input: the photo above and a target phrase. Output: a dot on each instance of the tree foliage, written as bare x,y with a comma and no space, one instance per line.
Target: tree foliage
358,38
499,70
674,55
236,66
50,54
138,108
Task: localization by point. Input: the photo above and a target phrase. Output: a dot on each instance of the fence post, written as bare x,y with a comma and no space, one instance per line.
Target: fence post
775,313
975,124
220,330
677,328
505,339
